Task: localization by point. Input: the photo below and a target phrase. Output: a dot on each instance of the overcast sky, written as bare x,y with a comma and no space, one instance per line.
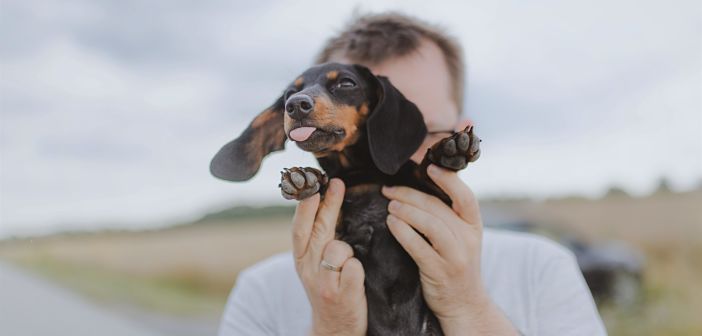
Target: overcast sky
111,110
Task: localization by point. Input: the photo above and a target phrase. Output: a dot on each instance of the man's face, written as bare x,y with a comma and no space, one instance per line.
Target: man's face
423,77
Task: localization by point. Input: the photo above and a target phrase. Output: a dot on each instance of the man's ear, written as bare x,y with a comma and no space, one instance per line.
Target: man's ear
395,127
240,159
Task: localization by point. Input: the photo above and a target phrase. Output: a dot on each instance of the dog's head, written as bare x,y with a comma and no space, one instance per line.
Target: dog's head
327,109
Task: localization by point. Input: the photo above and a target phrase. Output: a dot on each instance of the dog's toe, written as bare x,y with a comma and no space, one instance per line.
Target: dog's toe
287,186
455,162
297,179
450,147
463,141
311,178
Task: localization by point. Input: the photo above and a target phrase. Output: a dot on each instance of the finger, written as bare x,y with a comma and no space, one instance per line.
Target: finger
464,202
302,224
441,237
419,249
335,253
352,277
420,200
324,226
463,124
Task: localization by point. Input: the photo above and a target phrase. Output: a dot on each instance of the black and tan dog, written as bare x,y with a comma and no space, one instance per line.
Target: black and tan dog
362,130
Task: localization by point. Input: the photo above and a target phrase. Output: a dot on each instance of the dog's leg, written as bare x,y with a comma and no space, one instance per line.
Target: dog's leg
455,151
302,182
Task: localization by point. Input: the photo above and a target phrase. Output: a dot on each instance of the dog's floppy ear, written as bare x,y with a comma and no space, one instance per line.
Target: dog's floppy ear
395,127
240,159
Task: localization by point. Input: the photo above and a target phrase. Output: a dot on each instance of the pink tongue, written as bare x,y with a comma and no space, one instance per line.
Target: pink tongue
301,133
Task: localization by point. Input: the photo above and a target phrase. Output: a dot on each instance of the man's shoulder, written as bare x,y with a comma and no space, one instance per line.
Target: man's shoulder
525,255
522,244
279,266
267,299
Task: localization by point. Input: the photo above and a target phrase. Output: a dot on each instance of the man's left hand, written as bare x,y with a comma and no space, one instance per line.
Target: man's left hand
449,262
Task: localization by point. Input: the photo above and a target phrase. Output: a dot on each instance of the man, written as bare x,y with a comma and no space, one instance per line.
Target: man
476,281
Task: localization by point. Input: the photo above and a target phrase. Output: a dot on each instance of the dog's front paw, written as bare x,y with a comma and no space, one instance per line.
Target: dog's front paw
301,182
455,151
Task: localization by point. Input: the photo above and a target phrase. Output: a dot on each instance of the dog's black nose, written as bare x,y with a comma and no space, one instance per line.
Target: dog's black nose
299,106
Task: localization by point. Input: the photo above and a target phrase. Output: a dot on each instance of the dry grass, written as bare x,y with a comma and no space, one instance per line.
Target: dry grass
190,269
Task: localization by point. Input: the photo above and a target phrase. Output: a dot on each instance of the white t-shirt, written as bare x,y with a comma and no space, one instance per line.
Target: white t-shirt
536,283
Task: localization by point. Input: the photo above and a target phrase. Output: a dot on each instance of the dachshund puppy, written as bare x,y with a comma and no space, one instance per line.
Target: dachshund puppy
362,130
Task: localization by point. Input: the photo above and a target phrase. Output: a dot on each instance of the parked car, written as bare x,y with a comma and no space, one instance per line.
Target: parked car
612,269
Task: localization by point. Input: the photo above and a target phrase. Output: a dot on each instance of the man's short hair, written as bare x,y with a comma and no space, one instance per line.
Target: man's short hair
375,38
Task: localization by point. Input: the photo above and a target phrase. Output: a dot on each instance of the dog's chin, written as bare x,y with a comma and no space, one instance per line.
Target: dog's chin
319,141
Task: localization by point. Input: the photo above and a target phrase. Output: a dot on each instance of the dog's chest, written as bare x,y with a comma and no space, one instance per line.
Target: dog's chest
363,215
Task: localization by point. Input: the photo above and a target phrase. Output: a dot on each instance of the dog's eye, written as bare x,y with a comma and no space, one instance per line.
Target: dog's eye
346,83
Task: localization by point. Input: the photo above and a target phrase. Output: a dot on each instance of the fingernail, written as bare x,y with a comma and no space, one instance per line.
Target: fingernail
391,220
388,189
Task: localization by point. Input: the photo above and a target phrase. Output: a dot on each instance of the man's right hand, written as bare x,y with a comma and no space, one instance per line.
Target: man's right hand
338,298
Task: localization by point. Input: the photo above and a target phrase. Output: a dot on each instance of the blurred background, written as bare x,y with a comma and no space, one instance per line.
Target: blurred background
591,115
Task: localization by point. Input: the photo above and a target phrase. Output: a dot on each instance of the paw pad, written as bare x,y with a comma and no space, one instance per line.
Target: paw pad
456,151
300,183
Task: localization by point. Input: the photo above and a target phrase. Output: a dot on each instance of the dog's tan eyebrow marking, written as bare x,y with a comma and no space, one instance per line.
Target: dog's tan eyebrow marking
331,75
363,110
299,81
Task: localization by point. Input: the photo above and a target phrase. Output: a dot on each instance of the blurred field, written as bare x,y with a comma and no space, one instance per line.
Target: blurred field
189,270
186,270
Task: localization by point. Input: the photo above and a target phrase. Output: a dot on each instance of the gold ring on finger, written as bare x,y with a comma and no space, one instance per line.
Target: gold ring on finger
329,266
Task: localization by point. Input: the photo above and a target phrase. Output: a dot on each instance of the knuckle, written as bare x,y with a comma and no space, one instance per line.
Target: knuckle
432,231
406,193
401,190
354,266
429,219
349,269
327,295
351,264
299,235
433,200
314,250
423,198
319,230
398,206
462,204
327,219
337,247
458,268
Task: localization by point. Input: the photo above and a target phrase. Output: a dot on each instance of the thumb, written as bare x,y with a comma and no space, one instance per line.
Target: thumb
464,201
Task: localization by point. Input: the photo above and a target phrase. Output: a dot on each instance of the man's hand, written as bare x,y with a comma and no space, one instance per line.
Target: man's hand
337,298
449,264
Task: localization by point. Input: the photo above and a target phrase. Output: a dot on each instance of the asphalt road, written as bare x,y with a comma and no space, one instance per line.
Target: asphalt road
33,306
